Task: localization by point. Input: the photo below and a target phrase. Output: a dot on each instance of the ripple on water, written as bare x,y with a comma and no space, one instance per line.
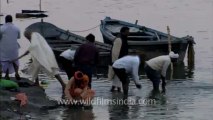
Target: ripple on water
182,96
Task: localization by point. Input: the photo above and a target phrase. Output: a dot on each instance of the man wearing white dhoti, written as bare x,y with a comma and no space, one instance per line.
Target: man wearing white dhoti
111,75
9,46
119,50
43,57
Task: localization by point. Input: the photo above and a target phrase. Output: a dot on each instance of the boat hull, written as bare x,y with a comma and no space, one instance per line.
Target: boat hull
155,50
60,40
153,43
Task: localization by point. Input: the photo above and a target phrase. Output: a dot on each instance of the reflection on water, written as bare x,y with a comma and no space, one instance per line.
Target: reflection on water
179,97
77,114
182,99
183,72
118,112
190,70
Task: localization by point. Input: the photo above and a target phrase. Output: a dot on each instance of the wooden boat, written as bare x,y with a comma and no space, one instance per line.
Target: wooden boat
30,15
152,42
33,11
61,40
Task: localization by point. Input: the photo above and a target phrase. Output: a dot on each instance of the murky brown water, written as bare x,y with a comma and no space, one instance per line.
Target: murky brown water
189,96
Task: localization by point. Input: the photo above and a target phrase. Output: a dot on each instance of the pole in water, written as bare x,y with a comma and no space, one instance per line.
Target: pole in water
136,22
40,5
191,54
170,49
169,40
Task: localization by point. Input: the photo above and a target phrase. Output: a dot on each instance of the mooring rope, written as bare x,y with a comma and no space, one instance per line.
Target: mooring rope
85,29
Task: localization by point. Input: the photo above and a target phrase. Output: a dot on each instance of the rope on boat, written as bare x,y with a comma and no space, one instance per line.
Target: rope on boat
85,29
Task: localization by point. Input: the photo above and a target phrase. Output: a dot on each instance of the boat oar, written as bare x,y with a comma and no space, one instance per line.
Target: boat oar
170,49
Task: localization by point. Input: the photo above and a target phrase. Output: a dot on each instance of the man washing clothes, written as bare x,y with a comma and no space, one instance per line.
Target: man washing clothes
156,68
127,65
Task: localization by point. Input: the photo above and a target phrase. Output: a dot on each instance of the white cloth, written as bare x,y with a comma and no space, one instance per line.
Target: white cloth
9,46
160,63
115,54
131,64
116,49
42,55
173,55
68,54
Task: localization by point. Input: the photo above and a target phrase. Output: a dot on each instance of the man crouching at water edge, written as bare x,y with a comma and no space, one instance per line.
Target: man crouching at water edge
67,59
43,57
127,65
77,88
156,69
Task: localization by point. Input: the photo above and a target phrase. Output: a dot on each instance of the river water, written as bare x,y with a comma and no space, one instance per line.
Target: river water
189,95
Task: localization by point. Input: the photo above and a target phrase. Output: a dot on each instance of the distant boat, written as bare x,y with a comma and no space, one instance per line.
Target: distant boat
152,42
33,11
61,40
30,15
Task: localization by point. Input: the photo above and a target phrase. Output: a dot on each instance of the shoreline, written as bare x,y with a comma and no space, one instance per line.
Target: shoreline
37,102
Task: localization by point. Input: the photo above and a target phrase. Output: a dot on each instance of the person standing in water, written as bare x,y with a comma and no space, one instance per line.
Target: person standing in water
86,57
156,68
127,65
9,47
119,50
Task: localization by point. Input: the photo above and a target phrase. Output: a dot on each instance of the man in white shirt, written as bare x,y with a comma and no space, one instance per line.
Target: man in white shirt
66,60
156,69
127,65
9,47
119,49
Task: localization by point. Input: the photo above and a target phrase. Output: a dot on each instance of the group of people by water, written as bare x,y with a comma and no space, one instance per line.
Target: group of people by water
80,63
124,64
